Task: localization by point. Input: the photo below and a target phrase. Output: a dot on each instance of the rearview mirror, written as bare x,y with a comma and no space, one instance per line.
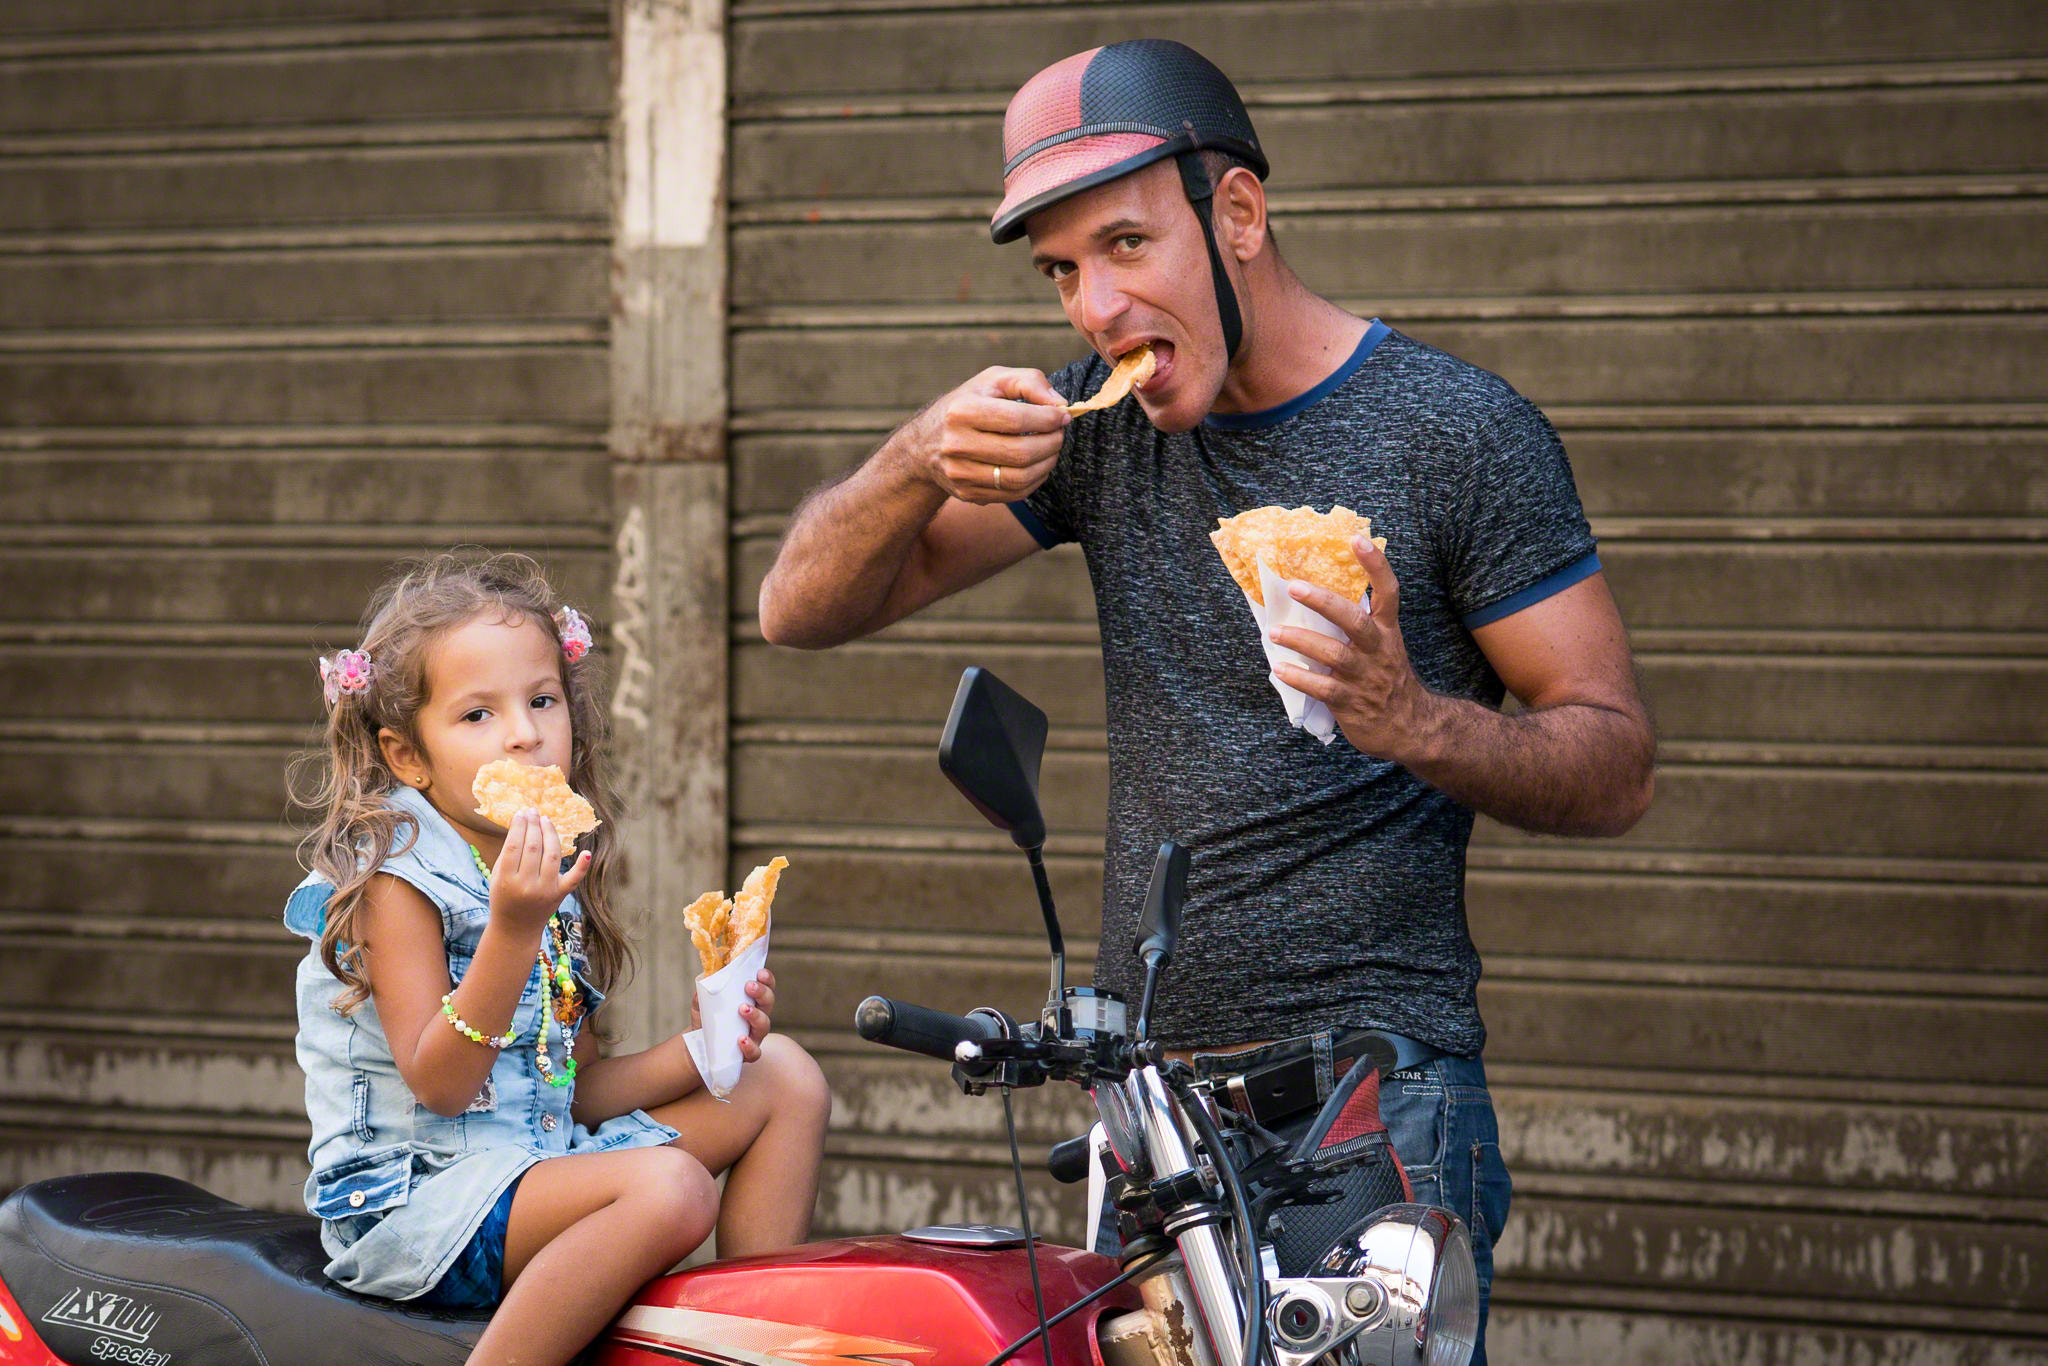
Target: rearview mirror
1159,922
992,747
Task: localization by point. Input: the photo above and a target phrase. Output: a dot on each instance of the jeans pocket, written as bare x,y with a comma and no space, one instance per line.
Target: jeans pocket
369,1182
1414,1106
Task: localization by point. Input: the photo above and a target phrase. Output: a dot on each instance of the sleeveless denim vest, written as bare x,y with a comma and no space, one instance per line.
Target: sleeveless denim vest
399,1189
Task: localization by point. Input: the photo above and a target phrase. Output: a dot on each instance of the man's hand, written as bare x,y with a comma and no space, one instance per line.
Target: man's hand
1577,760
993,439
1372,689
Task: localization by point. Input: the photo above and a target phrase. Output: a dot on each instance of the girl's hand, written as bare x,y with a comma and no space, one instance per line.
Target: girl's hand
762,990
527,883
761,993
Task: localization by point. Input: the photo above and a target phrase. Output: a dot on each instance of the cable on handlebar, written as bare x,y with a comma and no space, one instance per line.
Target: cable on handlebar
1024,1214
1255,1350
1130,1273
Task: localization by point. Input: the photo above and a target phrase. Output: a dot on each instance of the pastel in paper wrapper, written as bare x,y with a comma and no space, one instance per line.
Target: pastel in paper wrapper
716,1047
1280,609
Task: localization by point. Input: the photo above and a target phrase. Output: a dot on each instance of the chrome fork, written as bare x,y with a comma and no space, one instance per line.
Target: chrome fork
1211,1271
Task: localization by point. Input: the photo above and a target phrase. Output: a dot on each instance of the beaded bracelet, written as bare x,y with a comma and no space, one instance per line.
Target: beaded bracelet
463,1028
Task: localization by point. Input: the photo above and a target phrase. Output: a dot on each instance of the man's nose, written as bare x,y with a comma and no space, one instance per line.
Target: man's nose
1098,301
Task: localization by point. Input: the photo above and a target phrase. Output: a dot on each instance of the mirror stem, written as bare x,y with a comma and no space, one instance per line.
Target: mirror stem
1153,963
1057,998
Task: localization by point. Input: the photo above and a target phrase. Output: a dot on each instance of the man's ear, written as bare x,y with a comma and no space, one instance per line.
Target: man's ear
1240,212
403,758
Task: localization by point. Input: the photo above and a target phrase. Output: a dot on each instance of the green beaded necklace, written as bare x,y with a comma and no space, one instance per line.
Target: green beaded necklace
560,1001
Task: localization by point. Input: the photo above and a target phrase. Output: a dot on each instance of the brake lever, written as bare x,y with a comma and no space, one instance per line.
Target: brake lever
1027,1056
1066,1058
998,1063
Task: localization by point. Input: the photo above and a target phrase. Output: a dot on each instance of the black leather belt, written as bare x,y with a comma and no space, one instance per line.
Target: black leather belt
1283,1080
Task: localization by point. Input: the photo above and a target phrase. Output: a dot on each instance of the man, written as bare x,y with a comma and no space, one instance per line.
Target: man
1326,894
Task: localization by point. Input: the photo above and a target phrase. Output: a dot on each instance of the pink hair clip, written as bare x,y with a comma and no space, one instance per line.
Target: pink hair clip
576,641
347,671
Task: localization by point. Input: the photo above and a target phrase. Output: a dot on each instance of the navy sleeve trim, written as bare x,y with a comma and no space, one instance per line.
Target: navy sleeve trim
1040,533
1585,567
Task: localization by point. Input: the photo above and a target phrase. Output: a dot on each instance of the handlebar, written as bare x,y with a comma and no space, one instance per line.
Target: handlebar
920,1029
1069,1161
1008,1056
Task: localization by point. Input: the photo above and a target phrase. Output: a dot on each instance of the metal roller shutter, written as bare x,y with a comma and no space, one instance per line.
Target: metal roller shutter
1770,1068
288,289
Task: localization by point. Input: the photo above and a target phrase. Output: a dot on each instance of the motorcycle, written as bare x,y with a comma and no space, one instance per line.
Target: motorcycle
141,1268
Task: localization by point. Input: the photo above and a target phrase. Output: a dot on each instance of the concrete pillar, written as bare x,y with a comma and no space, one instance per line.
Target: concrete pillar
669,484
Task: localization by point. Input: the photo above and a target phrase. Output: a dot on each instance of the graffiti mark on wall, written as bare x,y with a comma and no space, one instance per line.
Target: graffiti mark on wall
629,632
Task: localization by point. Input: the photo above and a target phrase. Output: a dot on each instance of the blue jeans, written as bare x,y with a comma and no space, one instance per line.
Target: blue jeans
1439,1115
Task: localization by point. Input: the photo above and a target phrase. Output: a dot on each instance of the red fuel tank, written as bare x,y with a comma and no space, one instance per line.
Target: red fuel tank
890,1300
19,1345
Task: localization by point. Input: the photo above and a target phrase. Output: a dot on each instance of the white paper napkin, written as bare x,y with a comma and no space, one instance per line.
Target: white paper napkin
1280,609
716,1047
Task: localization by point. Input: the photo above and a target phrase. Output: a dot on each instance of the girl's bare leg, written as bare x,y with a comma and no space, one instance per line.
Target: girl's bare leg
770,1133
585,1232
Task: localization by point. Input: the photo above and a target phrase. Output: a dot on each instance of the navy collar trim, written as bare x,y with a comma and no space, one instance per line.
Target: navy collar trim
1301,403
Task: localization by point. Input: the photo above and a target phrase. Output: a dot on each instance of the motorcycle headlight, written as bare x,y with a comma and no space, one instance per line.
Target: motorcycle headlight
1420,1257
1451,1325
1120,1126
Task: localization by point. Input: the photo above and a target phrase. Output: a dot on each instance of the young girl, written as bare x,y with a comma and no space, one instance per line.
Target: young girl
470,1145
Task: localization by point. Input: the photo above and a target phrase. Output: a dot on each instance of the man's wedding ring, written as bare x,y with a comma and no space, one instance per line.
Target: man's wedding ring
997,471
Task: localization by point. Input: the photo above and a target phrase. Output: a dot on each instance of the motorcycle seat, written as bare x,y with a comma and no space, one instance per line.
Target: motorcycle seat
141,1268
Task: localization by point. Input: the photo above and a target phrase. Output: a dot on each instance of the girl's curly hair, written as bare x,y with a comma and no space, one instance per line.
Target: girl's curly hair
344,786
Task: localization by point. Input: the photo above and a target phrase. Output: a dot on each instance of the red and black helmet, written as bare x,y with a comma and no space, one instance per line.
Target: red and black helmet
1107,112
1111,110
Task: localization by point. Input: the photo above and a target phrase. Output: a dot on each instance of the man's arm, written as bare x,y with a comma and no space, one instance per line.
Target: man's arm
1576,761
924,517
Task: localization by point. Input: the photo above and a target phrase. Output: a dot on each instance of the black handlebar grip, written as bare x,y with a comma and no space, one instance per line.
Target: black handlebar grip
1068,1161
918,1029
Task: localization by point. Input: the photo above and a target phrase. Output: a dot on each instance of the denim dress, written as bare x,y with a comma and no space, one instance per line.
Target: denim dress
399,1189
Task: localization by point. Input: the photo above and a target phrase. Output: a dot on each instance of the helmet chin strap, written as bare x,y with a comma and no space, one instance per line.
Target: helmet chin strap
1194,178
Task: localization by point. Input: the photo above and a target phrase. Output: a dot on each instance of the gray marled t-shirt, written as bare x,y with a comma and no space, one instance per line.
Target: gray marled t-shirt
1327,887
